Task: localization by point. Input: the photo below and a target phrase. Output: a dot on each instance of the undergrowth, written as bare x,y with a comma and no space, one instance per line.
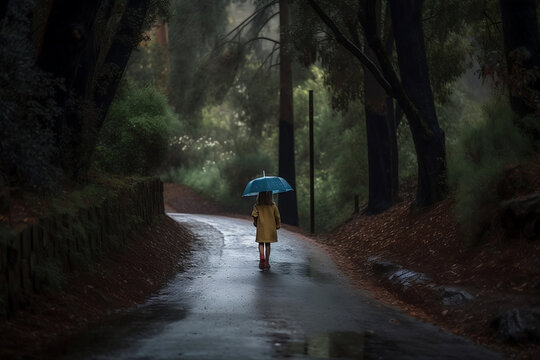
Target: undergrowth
477,161
135,136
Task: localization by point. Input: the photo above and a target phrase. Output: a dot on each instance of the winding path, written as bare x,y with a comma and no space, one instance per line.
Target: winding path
224,307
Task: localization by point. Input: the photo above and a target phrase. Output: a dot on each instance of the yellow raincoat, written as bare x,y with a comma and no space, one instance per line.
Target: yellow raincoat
267,220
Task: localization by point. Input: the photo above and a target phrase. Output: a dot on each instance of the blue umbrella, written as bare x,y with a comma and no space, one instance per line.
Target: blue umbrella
275,184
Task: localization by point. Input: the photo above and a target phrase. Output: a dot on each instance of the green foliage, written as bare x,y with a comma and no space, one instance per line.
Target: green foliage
448,45
157,10
340,155
135,136
220,163
239,144
477,160
243,167
147,65
196,25
224,182
29,111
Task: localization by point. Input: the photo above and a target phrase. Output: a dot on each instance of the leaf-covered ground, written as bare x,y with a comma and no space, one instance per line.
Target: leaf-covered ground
500,275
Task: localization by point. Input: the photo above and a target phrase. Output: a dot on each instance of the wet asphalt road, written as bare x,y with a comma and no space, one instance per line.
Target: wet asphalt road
224,307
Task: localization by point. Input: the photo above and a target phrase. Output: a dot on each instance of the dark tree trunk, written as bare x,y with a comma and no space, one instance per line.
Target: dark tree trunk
68,44
382,147
118,55
381,138
68,32
520,29
69,51
287,201
428,137
3,8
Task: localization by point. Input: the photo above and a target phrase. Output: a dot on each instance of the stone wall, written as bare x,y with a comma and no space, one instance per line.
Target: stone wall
42,255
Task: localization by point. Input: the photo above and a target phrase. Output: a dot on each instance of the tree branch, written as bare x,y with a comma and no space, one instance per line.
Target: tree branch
349,45
261,38
266,22
374,41
248,20
269,57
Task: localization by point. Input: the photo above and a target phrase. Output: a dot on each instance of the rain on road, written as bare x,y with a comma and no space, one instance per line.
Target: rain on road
224,307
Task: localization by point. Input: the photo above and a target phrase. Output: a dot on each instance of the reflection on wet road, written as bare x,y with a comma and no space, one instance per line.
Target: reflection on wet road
224,307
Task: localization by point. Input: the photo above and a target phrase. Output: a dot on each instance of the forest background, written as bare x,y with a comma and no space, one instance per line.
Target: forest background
198,104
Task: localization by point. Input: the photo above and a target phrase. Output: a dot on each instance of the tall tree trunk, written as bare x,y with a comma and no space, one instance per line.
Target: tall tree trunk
125,40
427,135
3,8
382,147
429,139
70,51
381,137
287,201
67,45
520,29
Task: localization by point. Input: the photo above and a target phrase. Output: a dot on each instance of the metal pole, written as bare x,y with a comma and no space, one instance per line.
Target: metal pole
311,166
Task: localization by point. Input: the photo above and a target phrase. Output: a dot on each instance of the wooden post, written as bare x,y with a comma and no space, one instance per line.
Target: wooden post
311,166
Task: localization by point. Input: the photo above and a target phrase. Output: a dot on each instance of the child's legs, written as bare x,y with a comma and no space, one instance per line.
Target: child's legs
267,251
261,250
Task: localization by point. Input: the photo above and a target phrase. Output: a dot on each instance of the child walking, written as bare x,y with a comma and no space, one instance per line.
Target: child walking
267,220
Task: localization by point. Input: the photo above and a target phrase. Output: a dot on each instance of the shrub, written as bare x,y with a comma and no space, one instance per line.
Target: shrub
477,161
135,137
224,182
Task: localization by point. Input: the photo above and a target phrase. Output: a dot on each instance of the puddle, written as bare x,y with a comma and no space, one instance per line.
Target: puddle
308,270
338,344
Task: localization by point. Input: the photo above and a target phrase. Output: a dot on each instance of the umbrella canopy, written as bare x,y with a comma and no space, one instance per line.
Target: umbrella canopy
275,184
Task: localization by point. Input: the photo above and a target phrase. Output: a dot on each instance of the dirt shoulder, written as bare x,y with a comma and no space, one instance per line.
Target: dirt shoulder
117,282
499,276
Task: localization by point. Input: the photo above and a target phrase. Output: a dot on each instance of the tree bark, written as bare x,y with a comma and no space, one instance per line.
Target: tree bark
287,201
67,45
118,55
71,51
381,138
382,147
520,29
428,137
3,8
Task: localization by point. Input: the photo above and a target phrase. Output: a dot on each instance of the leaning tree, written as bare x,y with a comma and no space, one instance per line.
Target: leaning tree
412,91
